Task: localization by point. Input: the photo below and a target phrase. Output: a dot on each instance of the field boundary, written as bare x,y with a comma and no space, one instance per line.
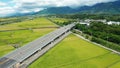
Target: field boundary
27,29
101,47
97,44
113,64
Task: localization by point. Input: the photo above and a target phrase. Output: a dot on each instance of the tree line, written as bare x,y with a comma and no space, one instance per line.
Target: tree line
103,31
108,17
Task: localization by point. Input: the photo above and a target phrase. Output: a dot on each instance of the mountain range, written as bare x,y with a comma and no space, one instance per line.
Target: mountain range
100,8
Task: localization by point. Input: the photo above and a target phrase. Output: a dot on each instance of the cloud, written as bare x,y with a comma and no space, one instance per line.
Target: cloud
27,6
30,5
6,11
77,3
2,4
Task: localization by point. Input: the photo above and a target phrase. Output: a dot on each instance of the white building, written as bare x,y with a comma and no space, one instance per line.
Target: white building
84,23
92,20
113,22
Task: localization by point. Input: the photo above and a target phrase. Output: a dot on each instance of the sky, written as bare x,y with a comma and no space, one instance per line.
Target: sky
8,7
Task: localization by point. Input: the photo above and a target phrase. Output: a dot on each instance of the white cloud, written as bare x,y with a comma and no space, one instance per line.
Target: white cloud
2,4
6,11
54,3
76,3
30,10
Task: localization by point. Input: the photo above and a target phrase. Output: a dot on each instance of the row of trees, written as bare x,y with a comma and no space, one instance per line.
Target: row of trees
110,33
106,44
98,40
108,17
60,23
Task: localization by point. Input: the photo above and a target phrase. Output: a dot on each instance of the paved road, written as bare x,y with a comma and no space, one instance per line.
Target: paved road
20,54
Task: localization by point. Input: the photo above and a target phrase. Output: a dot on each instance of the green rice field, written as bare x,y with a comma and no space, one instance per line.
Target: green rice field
11,34
35,23
74,52
61,20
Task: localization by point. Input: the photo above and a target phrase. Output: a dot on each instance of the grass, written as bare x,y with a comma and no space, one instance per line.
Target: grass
61,20
74,52
5,19
116,65
35,23
22,37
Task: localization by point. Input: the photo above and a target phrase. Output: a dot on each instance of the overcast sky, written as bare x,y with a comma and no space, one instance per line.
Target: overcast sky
25,6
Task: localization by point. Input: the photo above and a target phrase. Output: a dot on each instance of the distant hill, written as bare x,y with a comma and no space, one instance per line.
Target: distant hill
104,8
57,10
101,8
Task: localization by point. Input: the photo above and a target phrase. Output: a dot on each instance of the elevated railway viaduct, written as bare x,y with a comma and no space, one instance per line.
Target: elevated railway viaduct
18,56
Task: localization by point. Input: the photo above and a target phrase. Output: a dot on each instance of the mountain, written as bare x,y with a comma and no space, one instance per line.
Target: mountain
57,10
22,14
103,8
100,8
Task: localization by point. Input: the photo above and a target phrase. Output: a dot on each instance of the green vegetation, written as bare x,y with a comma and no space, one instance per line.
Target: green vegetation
61,21
28,24
74,52
108,17
106,35
16,37
10,20
106,32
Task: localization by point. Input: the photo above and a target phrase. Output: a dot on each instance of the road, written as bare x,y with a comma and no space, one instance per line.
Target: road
21,54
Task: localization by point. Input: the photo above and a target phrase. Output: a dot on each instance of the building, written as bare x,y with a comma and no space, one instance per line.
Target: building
113,22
